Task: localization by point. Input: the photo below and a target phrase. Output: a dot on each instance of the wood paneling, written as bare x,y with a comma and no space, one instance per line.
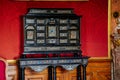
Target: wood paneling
12,71
32,75
98,69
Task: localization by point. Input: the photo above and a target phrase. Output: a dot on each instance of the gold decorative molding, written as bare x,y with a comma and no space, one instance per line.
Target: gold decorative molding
99,58
12,61
51,0
109,27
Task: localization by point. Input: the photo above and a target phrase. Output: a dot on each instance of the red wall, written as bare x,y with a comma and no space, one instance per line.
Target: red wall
93,25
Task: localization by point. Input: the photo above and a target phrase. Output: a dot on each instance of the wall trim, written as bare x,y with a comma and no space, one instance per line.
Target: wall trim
51,0
109,26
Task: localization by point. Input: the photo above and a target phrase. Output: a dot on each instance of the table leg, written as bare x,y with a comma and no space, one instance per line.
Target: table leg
84,72
54,73
50,73
79,72
21,74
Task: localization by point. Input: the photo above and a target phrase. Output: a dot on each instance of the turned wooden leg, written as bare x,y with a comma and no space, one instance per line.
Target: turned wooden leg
54,73
50,73
79,72
21,74
84,72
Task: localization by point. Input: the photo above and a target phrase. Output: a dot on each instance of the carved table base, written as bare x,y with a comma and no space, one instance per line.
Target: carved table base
39,64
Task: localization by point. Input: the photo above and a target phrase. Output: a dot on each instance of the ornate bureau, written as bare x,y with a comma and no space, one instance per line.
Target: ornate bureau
51,39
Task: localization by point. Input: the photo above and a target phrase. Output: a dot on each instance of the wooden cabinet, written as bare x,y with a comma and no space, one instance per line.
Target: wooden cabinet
53,32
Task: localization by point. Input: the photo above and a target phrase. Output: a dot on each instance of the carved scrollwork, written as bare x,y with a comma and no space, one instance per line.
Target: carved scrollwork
70,67
38,68
84,61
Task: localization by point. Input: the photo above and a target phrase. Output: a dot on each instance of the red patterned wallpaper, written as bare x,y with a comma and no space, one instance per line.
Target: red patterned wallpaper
93,25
